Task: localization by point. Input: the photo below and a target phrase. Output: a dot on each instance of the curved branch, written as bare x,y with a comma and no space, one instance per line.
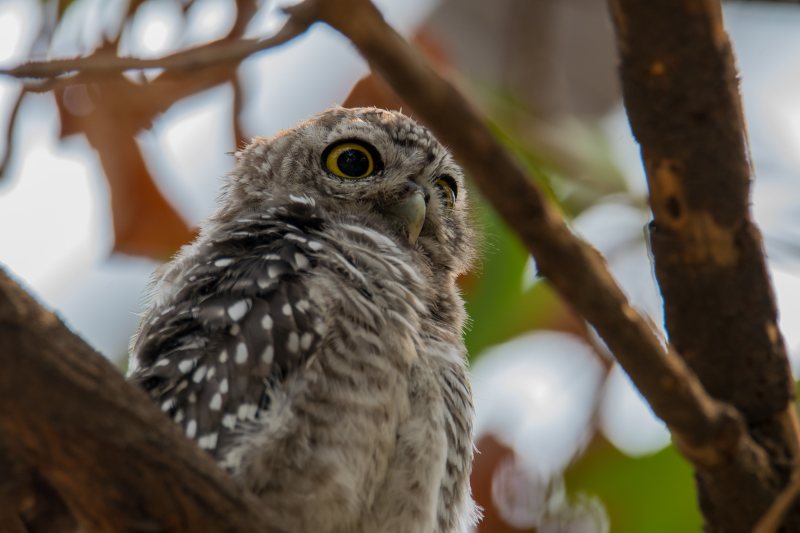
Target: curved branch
9,133
117,462
682,96
709,432
574,268
103,63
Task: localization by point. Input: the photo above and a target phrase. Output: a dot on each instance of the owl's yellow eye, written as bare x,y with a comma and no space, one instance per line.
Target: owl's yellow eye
350,160
448,190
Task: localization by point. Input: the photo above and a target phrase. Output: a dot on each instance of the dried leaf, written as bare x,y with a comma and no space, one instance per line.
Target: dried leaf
110,115
372,90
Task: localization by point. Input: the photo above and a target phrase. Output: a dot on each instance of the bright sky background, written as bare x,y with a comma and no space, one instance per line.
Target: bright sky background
54,214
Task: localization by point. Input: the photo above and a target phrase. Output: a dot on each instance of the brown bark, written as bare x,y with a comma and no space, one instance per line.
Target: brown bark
681,94
107,451
738,440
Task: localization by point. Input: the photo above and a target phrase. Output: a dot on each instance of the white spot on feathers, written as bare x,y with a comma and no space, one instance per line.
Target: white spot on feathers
301,199
293,343
216,402
225,261
239,309
269,353
246,410
208,442
241,353
293,237
229,421
191,428
305,341
185,365
199,374
301,261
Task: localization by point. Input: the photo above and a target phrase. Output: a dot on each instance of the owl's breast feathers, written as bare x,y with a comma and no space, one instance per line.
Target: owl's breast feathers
264,304
234,314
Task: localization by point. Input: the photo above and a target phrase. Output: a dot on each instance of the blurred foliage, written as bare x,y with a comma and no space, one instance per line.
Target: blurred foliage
111,112
497,304
651,494
503,300
570,159
655,493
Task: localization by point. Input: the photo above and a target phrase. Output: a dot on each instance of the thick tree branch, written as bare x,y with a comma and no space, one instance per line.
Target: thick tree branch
682,97
681,94
116,461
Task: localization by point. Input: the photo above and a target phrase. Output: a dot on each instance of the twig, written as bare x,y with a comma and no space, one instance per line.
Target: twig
773,518
236,115
104,64
12,121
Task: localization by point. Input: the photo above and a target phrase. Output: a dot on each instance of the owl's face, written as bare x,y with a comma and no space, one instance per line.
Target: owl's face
379,167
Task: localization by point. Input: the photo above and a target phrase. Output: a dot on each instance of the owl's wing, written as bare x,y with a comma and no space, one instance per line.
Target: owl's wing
240,324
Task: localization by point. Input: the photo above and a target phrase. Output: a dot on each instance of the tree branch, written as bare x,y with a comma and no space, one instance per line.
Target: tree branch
116,461
575,269
710,433
681,94
9,133
103,63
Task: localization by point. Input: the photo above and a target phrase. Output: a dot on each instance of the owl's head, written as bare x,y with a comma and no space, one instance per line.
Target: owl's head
378,167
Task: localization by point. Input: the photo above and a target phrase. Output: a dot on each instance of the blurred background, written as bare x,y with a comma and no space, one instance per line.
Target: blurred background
100,182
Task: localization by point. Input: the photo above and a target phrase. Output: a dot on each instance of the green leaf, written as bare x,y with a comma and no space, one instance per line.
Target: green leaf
652,494
498,305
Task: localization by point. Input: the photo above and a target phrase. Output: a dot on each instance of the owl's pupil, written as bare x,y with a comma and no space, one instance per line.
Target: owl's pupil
353,163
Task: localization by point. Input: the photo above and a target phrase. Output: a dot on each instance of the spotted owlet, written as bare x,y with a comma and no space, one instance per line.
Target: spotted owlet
310,338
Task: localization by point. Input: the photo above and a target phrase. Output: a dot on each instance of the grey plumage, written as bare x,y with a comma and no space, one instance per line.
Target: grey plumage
310,339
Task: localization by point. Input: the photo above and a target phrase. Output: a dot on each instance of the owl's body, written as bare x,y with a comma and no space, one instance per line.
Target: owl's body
310,339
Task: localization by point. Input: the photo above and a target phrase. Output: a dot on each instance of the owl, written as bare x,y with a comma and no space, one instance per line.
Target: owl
310,339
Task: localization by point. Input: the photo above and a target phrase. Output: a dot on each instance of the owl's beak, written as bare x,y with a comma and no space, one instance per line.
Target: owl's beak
410,212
